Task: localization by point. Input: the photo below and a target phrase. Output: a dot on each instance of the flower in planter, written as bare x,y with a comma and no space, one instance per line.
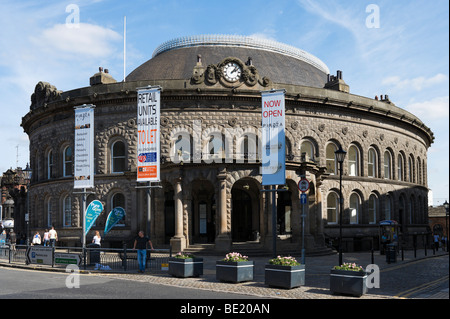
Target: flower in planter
235,257
284,261
349,266
183,255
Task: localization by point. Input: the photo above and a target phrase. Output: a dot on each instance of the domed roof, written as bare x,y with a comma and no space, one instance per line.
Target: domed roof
281,63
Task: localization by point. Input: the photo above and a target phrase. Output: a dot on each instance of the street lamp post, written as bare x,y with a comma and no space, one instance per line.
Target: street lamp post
27,176
446,223
340,156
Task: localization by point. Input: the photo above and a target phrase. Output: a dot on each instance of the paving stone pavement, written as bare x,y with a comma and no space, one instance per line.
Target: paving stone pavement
316,281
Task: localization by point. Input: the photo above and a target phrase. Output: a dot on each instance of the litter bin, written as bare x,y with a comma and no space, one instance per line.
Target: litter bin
391,253
94,254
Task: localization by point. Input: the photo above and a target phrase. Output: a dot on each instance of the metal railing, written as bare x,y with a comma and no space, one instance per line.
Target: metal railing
101,259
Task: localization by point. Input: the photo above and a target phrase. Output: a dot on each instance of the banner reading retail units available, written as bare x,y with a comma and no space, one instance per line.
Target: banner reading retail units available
148,149
273,138
84,147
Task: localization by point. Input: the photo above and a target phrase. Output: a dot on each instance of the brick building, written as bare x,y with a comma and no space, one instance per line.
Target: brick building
216,201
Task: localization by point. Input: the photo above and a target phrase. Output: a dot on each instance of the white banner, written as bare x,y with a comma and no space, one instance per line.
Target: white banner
148,129
273,138
84,147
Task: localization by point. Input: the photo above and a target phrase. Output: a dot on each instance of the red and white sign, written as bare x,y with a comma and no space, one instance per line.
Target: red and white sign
148,148
303,185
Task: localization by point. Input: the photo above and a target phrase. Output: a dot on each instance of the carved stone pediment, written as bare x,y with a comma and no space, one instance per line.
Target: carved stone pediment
44,93
214,73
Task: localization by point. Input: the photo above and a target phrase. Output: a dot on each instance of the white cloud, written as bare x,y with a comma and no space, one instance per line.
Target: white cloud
85,41
437,108
417,83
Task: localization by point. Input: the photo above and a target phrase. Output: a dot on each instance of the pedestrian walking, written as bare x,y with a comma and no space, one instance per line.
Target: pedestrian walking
436,241
53,235
46,238
140,243
36,239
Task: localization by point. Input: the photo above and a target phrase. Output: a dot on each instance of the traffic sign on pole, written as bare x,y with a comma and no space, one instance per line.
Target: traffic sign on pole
303,198
303,185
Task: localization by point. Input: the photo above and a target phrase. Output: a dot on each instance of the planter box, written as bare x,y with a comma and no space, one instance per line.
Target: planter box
285,276
234,271
348,282
189,267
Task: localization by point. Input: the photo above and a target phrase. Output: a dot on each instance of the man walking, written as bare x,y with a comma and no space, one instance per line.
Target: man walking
140,243
53,236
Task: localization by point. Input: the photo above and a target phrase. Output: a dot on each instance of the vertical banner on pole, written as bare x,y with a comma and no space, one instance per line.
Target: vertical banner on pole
84,147
273,138
148,149
93,211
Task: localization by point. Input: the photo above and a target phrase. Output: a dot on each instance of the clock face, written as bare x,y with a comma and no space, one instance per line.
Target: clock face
232,71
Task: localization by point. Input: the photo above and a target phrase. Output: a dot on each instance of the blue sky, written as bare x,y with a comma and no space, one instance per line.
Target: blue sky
406,56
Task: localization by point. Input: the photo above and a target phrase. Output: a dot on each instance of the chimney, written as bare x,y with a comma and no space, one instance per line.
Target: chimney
101,77
337,83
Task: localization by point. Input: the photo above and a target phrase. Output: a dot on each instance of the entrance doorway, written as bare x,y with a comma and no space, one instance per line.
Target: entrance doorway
203,212
241,219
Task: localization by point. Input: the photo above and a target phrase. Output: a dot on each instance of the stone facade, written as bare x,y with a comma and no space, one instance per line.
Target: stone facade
206,197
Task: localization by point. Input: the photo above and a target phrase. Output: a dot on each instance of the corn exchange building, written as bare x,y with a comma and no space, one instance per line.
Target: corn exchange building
211,108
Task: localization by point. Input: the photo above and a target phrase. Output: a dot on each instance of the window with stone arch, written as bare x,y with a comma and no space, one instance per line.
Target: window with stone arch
118,157
372,211
400,164
48,206
332,208
118,200
50,164
307,148
67,211
354,208
387,165
331,158
372,163
353,161
182,148
67,161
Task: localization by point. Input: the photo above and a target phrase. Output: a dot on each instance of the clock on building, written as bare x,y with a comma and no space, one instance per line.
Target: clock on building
232,71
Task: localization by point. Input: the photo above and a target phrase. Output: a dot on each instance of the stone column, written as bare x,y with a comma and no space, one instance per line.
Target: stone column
178,242
223,240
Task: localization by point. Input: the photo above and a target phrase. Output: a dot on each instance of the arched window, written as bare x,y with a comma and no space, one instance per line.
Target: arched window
118,157
49,211
411,169
372,163
67,211
216,147
419,171
354,208
387,207
67,161
372,209
387,165
331,158
353,157
411,209
332,208
50,164
308,148
118,200
182,149
400,162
